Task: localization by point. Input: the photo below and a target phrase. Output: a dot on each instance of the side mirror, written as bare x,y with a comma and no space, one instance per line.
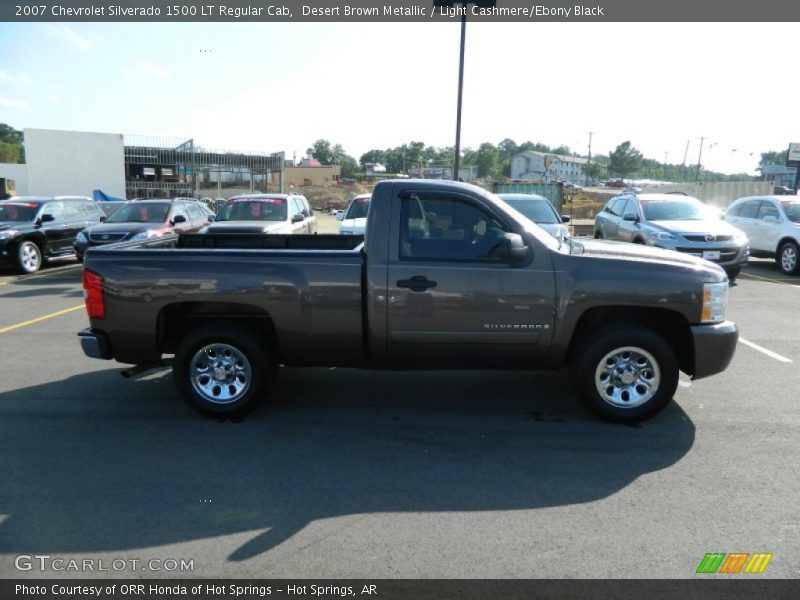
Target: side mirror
298,217
630,217
566,218
46,218
771,219
211,218
178,219
513,249
340,216
103,219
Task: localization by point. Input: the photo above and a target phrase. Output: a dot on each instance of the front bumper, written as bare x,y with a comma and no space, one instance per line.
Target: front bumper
731,256
95,344
714,346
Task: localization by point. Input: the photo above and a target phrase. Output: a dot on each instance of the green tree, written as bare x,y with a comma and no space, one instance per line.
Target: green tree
624,160
774,157
372,157
595,170
349,166
12,149
322,151
487,158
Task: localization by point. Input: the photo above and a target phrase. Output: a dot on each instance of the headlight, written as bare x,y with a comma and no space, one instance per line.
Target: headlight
661,235
8,233
715,302
144,235
81,238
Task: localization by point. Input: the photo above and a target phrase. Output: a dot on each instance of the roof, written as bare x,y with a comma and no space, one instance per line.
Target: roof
663,196
44,198
561,157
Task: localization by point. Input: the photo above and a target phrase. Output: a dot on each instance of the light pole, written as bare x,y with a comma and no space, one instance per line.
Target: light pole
589,160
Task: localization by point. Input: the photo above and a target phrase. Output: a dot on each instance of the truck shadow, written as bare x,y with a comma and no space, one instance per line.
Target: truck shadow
95,463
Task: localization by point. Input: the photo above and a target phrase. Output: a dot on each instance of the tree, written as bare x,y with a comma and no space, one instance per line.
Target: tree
11,145
487,158
595,170
372,157
349,166
624,160
774,157
322,151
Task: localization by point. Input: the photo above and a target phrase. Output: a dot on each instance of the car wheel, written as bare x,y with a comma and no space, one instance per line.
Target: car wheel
789,258
733,274
638,241
627,373
28,258
222,370
598,235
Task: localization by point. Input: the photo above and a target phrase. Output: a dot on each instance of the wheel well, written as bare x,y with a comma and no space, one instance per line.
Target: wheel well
670,325
782,241
176,320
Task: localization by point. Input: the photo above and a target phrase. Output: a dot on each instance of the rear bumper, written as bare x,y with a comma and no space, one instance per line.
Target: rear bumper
95,344
714,346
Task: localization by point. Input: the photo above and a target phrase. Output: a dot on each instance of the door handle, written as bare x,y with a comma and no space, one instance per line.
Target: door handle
418,283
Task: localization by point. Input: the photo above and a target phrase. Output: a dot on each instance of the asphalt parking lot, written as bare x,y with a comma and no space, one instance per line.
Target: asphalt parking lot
365,474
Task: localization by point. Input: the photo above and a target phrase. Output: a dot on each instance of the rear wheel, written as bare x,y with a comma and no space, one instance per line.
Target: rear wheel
222,370
28,258
598,235
733,274
627,373
788,258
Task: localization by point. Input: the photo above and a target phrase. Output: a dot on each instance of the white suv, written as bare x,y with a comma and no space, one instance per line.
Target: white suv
773,225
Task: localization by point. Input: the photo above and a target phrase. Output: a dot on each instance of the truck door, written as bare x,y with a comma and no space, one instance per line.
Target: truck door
451,302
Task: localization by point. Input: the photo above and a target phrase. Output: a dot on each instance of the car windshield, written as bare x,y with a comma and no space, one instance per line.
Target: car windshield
135,212
358,209
675,210
253,209
792,210
17,213
108,208
537,210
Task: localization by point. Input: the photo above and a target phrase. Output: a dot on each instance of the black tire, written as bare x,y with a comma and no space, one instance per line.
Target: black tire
638,241
788,258
253,378
27,258
733,274
593,351
598,235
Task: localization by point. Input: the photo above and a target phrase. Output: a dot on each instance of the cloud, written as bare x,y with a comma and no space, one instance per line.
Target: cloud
69,35
56,99
12,103
153,69
8,77
126,72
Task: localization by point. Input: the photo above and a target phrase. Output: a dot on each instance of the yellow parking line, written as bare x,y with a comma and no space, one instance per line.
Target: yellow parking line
40,319
41,275
784,281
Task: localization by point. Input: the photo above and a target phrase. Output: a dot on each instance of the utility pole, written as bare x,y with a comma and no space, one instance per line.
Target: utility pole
685,156
589,160
457,151
699,156
666,156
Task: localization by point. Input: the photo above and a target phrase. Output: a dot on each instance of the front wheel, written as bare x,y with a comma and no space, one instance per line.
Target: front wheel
626,374
28,258
222,370
788,258
598,235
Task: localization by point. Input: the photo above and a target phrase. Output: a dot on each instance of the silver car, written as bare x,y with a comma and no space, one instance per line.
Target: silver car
674,221
539,210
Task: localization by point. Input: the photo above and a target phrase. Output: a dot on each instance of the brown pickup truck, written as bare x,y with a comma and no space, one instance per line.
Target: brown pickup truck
448,276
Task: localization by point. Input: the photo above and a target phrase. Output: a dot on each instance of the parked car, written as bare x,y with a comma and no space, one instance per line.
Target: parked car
772,223
265,213
34,230
674,222
539,210
571,185
783,190
144,219
354,219
448,277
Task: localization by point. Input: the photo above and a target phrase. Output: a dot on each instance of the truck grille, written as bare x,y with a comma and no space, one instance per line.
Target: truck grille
725,254
106,238
702,238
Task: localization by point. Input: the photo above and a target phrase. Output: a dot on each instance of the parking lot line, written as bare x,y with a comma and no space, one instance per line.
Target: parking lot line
761,349
39,319
40,275
784,281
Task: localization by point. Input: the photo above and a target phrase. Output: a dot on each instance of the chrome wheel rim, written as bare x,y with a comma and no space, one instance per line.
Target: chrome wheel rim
789,258
627,377
220,373
29,256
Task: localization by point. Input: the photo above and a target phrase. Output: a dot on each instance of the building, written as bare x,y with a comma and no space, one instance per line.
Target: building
541,166
312,175
779,174
77,163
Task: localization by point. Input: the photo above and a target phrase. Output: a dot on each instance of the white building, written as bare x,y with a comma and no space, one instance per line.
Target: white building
69,163
540,166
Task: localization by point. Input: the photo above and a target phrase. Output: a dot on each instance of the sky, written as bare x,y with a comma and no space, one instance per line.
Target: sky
269,87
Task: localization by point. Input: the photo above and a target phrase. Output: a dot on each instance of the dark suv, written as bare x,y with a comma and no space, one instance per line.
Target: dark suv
142,219
33,230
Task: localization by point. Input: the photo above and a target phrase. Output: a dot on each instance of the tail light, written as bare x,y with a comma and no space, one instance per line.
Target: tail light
93,295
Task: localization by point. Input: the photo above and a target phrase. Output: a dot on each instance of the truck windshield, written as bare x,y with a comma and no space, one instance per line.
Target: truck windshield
151,212
358,209
675,210
538,211
17,213
262,209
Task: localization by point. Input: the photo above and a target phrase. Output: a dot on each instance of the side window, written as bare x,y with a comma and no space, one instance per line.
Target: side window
750,209
734,211
629,208
195,212
179,209
306,207
441,228
617,206
768,209
54,208
297,207
73,212
92,210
